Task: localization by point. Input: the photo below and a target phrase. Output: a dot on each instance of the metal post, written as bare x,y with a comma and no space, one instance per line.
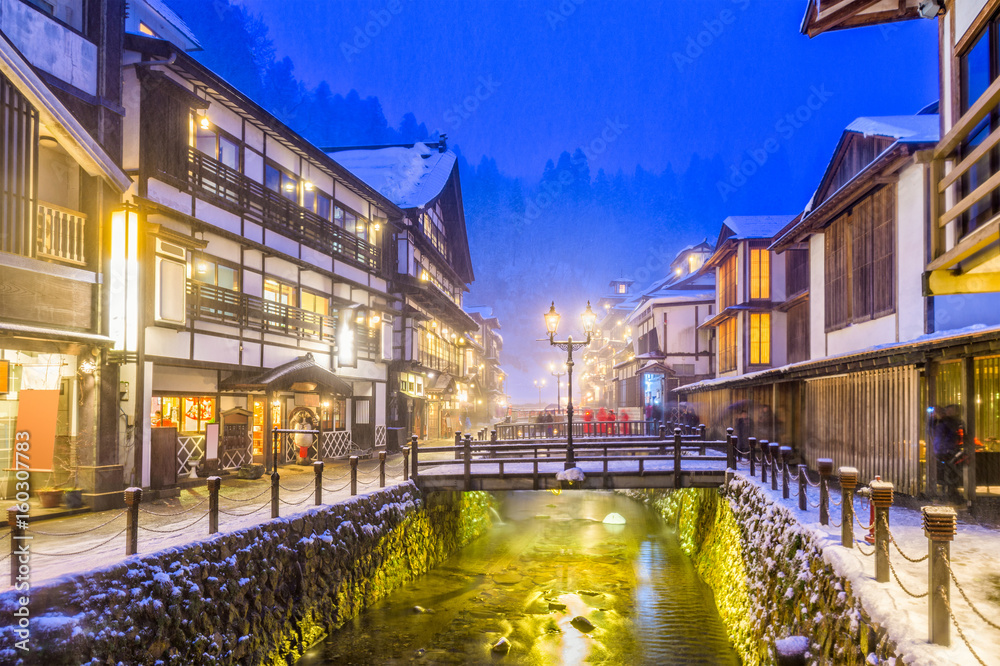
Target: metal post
318,488
16,540
677,457
786,456
730,450
881,499
381,466
753,455
467,457
848,482
415,470
775,455
406,463
213,483
825,466
803,481
274,493
939,526
570,456
763,460
736,452
132,498
354,475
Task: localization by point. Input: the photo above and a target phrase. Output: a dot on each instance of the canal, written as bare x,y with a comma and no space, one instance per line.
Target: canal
530,579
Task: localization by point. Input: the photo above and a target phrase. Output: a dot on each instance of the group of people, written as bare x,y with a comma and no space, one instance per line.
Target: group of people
597,422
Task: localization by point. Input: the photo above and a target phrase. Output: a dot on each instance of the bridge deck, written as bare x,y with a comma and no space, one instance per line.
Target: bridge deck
637,472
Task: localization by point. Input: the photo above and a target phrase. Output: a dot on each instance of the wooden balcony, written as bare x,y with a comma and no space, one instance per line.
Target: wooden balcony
208,302
60,234
277,213
949,202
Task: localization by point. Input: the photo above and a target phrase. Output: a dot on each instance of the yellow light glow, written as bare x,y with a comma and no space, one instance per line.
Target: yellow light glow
360,319
308,186
679,271
378,227
374,320
361,227
204,122
424,276
430,336
289,187
202,268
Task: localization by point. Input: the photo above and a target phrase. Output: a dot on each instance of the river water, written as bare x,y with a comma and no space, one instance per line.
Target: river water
552,560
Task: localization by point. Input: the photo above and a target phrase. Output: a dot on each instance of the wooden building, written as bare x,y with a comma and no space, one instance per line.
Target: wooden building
430,273
251,272
483,370
610,344
60,181
750,284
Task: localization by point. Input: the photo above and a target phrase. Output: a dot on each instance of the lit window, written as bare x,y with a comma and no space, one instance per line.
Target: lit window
760,338
760,274
145,29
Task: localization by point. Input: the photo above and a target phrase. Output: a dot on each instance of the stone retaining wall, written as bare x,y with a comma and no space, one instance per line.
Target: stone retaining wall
769,576
258,595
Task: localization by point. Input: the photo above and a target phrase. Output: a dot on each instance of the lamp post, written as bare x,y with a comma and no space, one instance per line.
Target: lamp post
539,383
568,345
557,375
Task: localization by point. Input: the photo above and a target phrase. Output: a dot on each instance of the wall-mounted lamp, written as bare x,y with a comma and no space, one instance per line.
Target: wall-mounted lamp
88,367
308,186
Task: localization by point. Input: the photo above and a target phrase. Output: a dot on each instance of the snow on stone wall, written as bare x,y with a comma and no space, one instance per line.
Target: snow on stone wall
254,596
769,576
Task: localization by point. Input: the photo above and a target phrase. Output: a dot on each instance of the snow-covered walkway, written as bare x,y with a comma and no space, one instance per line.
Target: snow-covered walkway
975,558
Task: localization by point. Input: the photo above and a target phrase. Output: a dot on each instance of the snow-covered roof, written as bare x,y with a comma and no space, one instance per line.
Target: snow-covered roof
905,129
756,226
163,21
410,177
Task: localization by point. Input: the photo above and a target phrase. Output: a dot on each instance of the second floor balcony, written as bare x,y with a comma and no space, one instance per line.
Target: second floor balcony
246,196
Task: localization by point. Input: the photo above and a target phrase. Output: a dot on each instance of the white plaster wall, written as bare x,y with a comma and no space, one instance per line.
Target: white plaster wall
254,138
861,336
280,268
962,310
253,259
317,258
216,216
50,46
275,356
253,232
280,243
225,119
188,380
167,342
253,284
966,12
380,403
911,201
350,199
315,281
131,98
817,297
350,272
778,276
214,349
168,196
223,248
283,156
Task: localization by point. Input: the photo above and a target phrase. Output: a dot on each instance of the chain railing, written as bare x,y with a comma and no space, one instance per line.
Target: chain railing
375,473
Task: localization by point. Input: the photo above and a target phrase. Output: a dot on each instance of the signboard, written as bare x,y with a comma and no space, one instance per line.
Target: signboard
4,376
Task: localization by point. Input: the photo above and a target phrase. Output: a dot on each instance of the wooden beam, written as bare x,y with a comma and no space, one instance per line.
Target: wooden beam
969,245
942,282
971,199
983,106
956,172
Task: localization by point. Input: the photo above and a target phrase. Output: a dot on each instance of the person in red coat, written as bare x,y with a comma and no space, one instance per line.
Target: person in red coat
588,416
602,417
626,428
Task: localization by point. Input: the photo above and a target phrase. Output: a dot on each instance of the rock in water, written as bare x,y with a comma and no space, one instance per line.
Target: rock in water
502,646
572,474
582,624
614,519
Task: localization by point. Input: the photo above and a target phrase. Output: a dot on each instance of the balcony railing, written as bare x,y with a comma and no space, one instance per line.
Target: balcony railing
278,213
438,363
59,234
213,303
949,149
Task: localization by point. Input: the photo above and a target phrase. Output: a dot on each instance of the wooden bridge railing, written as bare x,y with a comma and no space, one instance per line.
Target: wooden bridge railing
581,429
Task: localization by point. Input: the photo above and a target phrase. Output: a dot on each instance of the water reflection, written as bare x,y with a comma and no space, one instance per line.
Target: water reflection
561,586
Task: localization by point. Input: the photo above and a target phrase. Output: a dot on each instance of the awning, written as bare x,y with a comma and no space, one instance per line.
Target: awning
442,384
656,368
302,374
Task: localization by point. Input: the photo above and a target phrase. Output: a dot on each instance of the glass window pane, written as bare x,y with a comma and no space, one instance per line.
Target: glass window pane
229,153
272,178
289,187
323,205
309,199
338,216
976,71
205,140
227,278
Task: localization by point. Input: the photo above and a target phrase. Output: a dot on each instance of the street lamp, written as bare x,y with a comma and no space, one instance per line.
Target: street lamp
539,383
568,345
557,375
